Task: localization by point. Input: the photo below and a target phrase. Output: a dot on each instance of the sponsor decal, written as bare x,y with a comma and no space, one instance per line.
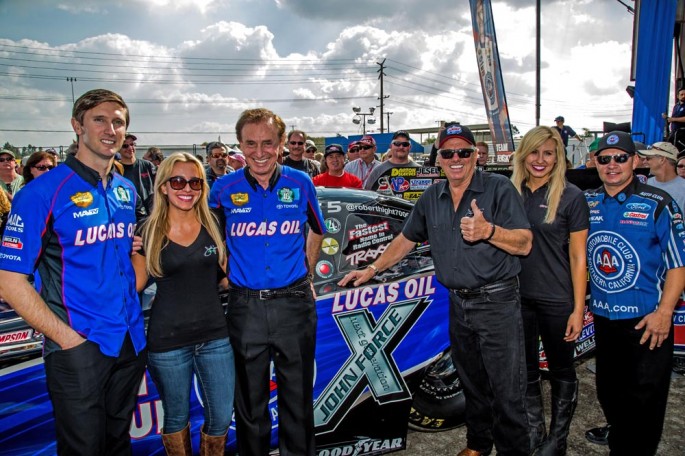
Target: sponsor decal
15,221
595,211
210,250
679,226
370,363
122,194
330,246
102,233
362,446
430,171
240,229
365,255
399,184
332,225
86,212
636,215
16,336
385,210
324,269
637,206
365,297
241,210
384,186
592,204
288,195
613,262
12,242
361,231
411,196
632,222
453,130
408,172
420,184
240,199
612,139
4,256
82,199
596,218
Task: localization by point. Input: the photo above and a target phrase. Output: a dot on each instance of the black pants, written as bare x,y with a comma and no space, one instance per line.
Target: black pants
632,385
93,397
282,330
548,320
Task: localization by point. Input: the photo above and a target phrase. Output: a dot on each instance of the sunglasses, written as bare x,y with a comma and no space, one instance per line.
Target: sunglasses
365,147
681,166
401,143
126,146
179,183
606,159
6,159
296,143
43,167
461,153
219,155
353,150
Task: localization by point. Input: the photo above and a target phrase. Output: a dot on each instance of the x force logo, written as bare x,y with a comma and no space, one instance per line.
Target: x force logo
370,363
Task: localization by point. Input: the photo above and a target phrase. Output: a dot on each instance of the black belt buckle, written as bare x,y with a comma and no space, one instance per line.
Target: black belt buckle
265,295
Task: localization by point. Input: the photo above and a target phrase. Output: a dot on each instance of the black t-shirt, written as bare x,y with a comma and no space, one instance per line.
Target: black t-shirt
187,310
461,264
306,165
546,271
142,174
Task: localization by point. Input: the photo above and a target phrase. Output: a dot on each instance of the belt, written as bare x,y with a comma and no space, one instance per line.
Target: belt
296,289
489,288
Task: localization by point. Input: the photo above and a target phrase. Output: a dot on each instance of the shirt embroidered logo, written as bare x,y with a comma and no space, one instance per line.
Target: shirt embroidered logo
240,199
82,199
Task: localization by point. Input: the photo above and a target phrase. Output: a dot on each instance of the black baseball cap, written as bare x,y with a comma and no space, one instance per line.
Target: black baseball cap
617,140
456,130
333,149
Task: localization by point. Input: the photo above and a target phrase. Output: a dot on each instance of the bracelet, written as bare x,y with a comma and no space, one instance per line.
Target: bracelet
374,268
492,233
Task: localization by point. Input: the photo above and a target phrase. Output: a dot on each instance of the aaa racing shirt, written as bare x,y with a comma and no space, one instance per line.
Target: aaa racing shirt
265,229
78,235
635,238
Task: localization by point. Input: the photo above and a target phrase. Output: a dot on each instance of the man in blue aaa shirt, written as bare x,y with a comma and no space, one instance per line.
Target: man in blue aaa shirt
636,260
271,311
75,226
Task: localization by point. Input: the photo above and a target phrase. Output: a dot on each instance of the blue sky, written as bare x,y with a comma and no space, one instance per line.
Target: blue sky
189,67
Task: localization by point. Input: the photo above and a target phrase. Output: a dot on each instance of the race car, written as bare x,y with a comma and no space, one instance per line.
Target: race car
382,350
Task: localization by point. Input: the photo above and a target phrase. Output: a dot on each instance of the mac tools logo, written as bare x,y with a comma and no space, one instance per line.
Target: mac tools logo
370,363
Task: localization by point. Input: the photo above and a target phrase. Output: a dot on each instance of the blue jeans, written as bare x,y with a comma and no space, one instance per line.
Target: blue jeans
213,364
486,333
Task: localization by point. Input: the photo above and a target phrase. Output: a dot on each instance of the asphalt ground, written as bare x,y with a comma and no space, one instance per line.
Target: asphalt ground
588,415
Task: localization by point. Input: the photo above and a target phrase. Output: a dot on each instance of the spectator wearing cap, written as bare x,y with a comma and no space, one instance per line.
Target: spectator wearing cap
352,151
477,227
310,150
10,180
139,171
154,155
236,160
636,262
37,164
217,157
296,159
366,162
400,146
661,158
677,118
335,175
565,131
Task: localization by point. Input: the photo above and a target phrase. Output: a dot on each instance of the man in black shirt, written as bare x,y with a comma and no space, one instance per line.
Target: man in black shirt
296,159
140,172
476,226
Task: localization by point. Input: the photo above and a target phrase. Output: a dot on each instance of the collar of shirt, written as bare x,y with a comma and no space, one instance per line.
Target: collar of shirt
87,174
272,180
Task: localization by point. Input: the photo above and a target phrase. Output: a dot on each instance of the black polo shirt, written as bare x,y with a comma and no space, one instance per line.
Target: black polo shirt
460,264
546,271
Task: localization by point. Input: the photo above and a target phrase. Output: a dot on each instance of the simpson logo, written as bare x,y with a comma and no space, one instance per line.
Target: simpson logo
636,215
240,199
16,336
82,199
288,195
613,262
363,446
330,246
332,225
12,243
122,194
637,206
370,363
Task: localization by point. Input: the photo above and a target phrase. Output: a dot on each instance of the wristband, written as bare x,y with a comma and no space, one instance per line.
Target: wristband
492,233
374,268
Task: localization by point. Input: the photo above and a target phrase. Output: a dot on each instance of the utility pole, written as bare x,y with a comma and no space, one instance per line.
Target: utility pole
382,97
72,80
388,114
537,63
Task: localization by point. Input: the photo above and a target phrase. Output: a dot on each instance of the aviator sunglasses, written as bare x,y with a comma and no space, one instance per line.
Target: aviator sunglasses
401,143
43,167
461,153
179,183
606,159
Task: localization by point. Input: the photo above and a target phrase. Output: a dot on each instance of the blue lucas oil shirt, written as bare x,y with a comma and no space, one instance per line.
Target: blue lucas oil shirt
635,238
78,235
265,228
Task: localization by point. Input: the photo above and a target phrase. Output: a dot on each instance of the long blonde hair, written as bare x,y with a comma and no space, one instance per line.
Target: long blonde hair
557,179
156,228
